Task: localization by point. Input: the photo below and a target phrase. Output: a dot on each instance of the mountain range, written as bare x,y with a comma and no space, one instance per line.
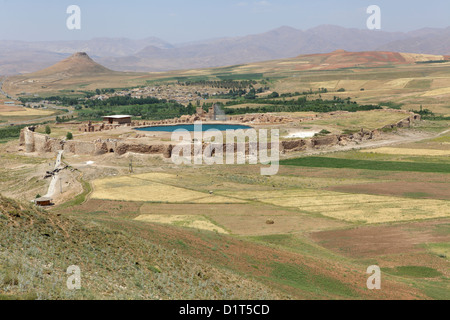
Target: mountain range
153,54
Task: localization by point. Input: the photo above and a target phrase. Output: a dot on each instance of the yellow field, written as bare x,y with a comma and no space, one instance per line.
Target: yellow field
325,84
399,83
365,119
351,85
149,188
187,221
421,57
437,92
409,152
26,112
353,207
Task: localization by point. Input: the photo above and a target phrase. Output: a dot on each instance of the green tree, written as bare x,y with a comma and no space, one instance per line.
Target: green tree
48,130
69,136
274,95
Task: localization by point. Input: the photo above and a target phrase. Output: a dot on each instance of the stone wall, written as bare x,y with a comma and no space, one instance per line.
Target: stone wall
36,142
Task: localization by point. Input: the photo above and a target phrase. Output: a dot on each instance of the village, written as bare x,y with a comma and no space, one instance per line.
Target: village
170,92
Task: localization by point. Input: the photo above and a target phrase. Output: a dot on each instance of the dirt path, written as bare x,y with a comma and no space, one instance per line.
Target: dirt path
52,187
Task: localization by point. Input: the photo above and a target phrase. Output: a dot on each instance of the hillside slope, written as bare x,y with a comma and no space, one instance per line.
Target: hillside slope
80,73
77,68
37,247
79,64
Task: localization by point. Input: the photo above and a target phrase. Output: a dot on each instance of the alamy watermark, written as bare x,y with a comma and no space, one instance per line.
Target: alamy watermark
236,147
74,280
374,21
374,281
73,22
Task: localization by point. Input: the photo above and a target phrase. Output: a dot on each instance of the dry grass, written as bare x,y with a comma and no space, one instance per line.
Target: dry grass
25,112
409,152
355,121
437,92
187,221
38,246
149,187
353,207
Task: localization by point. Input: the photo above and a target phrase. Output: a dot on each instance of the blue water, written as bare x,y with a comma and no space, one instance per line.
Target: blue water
190,127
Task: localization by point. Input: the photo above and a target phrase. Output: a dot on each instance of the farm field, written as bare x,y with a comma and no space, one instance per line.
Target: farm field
406,84
14,114
301,218
145,187
353,216
409,152
231,218
355,208
324,162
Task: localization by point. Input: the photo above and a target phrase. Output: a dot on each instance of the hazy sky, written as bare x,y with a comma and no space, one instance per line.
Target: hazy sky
189,20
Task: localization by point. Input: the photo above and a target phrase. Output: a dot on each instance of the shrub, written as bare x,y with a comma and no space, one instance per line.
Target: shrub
69,136
48,130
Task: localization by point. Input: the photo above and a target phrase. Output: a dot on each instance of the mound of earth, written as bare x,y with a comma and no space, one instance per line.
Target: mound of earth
78,68
79,64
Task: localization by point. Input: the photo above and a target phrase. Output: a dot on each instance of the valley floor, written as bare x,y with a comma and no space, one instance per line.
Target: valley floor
221,232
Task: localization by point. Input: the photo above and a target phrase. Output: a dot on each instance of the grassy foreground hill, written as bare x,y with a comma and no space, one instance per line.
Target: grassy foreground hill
37,247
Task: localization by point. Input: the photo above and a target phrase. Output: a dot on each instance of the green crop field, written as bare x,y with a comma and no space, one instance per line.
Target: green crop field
323,162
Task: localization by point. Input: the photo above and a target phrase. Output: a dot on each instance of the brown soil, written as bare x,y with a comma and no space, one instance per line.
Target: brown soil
343,59
370,242
228,252
249,258
249,219
426,190
4,108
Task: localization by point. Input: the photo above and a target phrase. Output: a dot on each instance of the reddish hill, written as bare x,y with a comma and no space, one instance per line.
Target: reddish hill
342,59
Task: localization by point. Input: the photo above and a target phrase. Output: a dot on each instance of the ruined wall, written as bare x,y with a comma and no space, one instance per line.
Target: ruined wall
28,140
36,142
80,147
165,150
344,139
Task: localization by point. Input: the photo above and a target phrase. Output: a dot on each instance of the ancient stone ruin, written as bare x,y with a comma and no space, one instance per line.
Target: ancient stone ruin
36,142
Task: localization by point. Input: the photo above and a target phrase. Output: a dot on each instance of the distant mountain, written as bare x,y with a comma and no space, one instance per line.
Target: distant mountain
98,47
428,41
26,61
153,54
284,42
25,57
77,68
77,72
77,65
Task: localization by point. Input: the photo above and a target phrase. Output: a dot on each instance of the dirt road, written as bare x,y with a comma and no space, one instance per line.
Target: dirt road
52,187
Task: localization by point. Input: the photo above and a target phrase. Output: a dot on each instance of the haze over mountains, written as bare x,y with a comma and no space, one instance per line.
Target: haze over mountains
153,54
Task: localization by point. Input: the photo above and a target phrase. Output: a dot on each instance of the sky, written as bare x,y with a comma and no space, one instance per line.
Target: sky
178,21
